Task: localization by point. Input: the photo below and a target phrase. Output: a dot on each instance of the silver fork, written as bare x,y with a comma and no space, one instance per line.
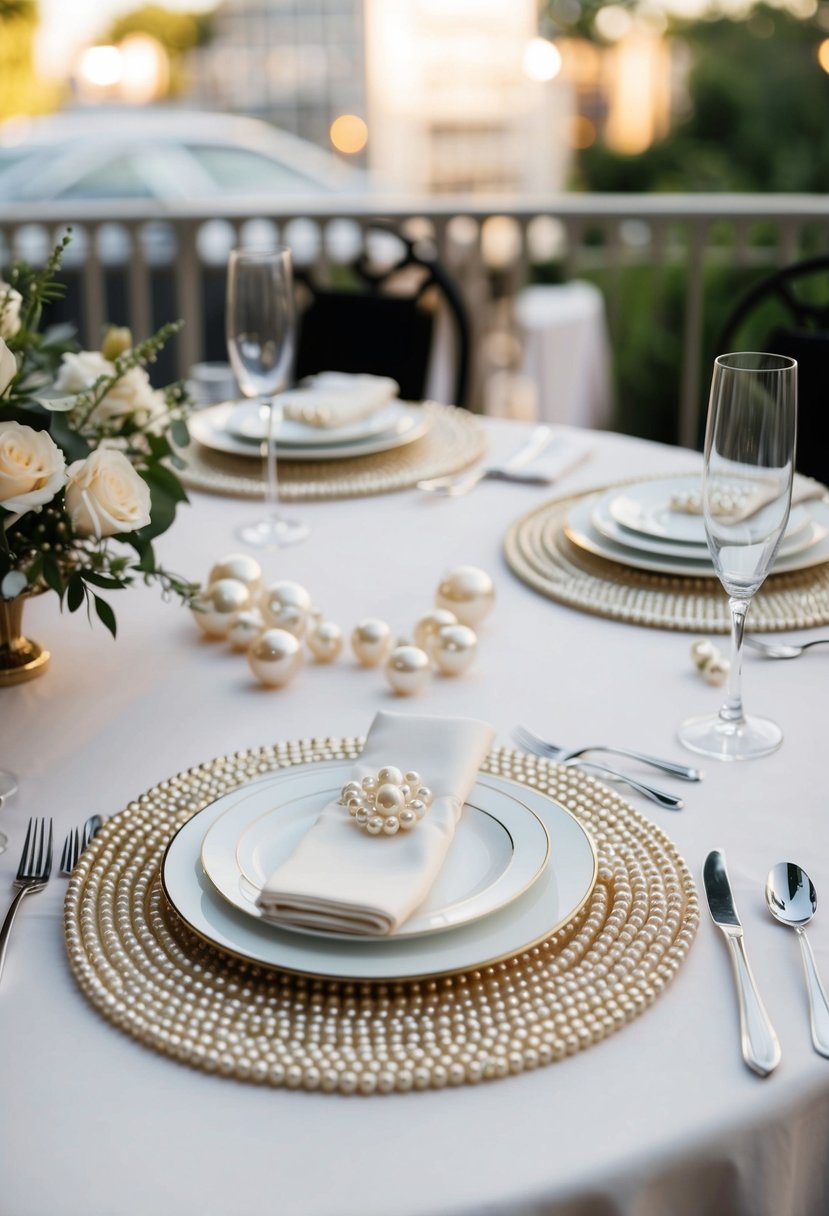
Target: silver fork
661,797
782,650
75,843
683,771
32,873
453,486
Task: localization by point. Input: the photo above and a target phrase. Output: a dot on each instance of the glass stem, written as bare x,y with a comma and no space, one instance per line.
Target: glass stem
271,480
732,707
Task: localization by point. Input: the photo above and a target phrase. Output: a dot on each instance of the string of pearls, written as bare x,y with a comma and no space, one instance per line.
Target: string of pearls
271,622
149,975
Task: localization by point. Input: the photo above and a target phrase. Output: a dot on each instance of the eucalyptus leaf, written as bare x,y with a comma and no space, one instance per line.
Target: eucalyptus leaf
13,583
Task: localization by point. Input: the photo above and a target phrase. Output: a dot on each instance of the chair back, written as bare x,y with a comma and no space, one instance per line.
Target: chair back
384,320
787,313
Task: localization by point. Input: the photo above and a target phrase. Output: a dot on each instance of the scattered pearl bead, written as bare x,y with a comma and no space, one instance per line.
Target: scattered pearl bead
325,640
371,641
408,670
427,628
275,658
216,608
240,566
467,592
286,605
454,649
246,628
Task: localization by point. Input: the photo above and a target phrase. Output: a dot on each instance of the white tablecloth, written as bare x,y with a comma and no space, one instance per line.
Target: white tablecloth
661,1118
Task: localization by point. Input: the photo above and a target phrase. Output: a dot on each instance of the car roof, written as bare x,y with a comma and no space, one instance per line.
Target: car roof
162,125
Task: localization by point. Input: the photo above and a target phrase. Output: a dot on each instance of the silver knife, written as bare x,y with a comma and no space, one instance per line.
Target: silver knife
760,1045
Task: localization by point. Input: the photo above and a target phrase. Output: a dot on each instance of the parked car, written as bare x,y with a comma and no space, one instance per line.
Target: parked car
161,153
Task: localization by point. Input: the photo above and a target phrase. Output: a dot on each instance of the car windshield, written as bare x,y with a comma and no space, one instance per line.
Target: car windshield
118,177
239,170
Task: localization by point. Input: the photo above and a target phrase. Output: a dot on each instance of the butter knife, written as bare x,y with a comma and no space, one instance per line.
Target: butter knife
760,1045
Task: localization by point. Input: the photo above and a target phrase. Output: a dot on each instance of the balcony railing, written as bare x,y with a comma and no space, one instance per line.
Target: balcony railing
143,263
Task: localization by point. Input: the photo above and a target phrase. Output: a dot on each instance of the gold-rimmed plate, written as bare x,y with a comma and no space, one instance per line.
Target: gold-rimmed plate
558,894
497,852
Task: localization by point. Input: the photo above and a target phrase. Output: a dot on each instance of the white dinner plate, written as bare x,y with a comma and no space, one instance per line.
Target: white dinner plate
208,427
248,421
579,529
562,888
802,531
645,507
495,856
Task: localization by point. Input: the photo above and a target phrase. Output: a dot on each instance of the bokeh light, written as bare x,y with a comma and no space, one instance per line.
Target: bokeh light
542,60
349,134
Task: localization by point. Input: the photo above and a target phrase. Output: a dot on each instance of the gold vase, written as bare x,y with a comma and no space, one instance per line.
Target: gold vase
20,658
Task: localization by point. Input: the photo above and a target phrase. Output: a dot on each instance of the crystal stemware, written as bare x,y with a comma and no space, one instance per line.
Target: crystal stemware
746,488
261,328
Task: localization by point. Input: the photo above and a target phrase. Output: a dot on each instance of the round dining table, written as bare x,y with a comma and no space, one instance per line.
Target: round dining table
662,1118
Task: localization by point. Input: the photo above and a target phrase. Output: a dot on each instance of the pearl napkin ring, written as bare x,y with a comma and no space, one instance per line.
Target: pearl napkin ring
390,802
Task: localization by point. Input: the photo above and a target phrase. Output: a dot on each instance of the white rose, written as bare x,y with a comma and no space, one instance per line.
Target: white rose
32,467
79,372
105,495
8,367
10,301
132,394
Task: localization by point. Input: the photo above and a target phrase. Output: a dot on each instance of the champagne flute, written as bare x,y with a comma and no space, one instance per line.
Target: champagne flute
746,489
261,327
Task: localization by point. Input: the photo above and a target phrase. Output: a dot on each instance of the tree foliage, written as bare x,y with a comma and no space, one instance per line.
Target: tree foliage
177,32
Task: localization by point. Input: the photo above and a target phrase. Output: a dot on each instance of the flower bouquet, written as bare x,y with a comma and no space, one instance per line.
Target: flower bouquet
87,475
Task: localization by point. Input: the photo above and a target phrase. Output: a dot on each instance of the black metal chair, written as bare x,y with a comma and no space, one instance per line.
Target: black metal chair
385,320
787,313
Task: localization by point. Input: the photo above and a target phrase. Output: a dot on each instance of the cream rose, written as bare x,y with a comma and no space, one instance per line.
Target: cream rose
10,301
8,367
105,495
32,467
132,394
79,372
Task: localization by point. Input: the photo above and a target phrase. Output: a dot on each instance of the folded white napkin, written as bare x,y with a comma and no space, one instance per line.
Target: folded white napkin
341,879
332,399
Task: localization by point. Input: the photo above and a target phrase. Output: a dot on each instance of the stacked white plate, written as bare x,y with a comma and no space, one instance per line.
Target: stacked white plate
637,526
239,428
502,889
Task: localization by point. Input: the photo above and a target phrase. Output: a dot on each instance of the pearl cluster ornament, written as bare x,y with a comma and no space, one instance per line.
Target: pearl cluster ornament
388,803
709,661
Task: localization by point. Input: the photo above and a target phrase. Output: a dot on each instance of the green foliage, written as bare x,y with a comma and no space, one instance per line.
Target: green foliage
43,546
20,90
177,32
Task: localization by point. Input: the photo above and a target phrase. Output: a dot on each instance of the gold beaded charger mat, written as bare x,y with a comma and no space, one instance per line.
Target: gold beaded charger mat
454,439
539,552
149,974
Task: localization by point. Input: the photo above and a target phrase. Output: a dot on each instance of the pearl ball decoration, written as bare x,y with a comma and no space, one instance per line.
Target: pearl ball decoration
371,641
325,640
286,605
216,608
240,566
408,670
428,627
246,628
275,658
468,592
454,649
710,662
384,804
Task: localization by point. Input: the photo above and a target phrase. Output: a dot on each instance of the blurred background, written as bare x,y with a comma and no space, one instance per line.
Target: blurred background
601,180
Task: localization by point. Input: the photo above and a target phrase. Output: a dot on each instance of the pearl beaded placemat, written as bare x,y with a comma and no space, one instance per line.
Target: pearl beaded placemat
454,440
146,972
537,550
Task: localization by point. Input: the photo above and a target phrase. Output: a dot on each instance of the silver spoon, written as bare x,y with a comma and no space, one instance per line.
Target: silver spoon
792,900
782,650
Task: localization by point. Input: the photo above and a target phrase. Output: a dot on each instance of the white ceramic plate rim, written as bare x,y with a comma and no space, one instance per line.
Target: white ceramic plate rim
640,507
247,820
207,428
802,532
293,433
551,902
581,532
